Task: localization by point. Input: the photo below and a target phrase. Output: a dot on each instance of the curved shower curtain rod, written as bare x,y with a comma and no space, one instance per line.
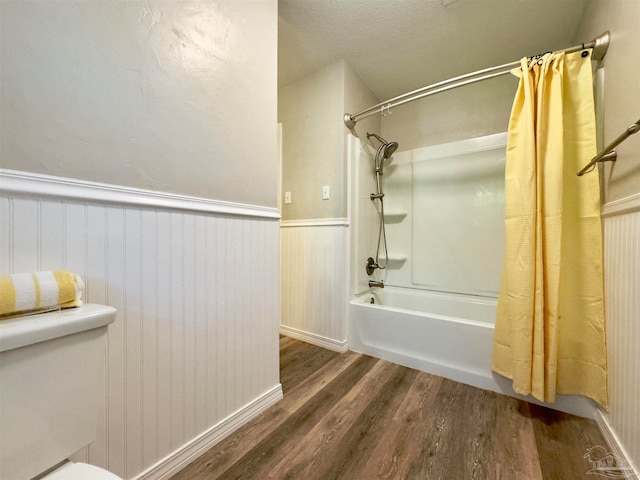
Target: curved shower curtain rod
599,45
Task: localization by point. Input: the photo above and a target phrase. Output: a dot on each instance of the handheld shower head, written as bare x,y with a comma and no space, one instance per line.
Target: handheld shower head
385,150
389,149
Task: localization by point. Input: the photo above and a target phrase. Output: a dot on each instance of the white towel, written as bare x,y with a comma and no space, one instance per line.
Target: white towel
25,292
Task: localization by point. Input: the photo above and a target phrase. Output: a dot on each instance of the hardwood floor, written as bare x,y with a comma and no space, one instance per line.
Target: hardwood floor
350,416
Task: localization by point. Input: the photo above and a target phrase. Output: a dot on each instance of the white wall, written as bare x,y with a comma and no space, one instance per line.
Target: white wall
357,97
171,96
622,284
621,87
315,233
467,112
193,352
310,110
314,282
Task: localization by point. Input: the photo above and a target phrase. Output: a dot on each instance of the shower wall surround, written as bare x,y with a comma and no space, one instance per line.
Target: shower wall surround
444,215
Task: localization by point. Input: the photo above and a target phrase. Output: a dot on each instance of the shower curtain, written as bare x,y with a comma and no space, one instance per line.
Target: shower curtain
549,334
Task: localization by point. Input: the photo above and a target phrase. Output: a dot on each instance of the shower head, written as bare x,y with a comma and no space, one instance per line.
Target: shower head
387,147
385,150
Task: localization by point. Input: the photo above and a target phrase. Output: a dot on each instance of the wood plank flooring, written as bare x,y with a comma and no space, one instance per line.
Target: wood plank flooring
350,416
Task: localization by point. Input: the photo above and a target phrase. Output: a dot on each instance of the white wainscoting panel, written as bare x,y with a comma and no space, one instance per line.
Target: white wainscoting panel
622,284
193,353
315,272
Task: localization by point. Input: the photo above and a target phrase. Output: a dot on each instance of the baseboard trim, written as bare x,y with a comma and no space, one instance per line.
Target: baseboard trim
180,458
613,442
339,346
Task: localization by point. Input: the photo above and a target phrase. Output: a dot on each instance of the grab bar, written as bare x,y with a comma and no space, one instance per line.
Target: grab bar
608,154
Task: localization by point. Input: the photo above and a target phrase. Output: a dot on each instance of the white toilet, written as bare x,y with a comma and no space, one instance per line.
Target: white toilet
51,376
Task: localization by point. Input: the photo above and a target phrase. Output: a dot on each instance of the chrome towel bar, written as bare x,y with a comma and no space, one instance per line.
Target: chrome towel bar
608,154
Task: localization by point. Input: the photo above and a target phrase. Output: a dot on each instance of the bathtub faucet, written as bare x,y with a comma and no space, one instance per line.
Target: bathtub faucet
375,283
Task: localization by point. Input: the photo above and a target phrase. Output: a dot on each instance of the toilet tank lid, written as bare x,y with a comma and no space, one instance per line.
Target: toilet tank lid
80,471
21,331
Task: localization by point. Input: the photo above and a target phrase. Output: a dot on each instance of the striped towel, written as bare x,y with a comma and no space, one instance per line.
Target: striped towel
24,292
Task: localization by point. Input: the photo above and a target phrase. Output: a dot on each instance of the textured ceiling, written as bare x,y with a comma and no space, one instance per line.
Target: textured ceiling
399,45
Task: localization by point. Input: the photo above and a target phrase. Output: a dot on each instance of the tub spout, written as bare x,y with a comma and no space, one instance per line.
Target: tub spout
375,283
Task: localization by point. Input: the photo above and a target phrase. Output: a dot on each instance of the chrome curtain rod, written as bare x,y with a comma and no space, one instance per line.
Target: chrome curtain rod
599,45
608,154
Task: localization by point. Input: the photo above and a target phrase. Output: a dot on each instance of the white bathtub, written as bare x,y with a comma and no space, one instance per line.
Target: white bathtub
443,334
448,335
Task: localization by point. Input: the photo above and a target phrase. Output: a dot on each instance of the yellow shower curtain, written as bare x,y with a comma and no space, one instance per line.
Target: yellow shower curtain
549,336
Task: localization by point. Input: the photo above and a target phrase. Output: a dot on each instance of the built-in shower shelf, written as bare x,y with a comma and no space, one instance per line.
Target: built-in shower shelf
394,217
395,261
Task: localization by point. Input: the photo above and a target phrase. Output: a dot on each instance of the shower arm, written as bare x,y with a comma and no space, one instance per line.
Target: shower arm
599,46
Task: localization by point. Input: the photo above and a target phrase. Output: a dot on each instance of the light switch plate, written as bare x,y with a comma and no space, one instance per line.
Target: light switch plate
287,198
325,192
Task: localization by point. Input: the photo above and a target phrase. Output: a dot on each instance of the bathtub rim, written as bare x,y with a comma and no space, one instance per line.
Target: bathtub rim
358,299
